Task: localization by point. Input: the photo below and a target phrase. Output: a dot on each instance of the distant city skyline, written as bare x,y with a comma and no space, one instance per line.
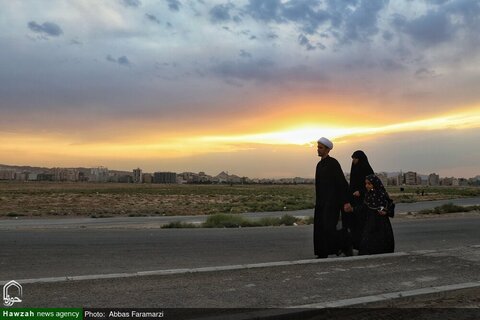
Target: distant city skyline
139,170
245,86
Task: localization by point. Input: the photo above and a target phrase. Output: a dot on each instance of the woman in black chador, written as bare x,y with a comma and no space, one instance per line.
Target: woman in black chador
354,222
377,236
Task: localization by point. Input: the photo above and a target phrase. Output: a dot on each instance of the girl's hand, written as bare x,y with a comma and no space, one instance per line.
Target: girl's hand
382,213
356,193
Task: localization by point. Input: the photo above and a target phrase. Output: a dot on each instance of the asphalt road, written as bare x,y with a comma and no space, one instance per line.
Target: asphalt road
156,222
55,252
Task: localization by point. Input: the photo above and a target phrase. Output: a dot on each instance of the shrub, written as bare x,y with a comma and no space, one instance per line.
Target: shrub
178,224
227,221
309,220
288,220
448,208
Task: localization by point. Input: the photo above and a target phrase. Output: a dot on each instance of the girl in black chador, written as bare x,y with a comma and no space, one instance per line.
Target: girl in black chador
355,222
377,236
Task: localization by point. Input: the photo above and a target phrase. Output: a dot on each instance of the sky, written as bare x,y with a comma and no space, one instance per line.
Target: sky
245,87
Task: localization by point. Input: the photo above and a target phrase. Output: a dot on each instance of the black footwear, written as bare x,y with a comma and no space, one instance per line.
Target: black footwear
348,251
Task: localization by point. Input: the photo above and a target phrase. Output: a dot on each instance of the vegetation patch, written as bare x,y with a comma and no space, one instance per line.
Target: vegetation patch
179,224
236,221
14,214
449,208
44,199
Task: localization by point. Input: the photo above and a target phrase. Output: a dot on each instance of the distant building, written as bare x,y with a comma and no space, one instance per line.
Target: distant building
21,176
419,180
446,181
383,177
66,174
410,178
392,181
45,177
124,178
147,178
222,177
32,176
433,179
164,177
400,179
7,175
99,174
137,176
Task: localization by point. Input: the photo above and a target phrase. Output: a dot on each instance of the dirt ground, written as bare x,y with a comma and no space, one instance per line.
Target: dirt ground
43,199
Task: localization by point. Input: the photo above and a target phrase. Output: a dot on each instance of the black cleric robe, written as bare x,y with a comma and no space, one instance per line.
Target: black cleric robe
331,193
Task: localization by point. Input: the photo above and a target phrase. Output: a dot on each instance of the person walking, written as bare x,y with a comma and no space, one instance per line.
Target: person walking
331,196
354,222
377,236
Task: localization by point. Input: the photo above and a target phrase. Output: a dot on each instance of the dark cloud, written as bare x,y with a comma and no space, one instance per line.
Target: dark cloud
360,23
248,34
261,69
266,71
265,10
221,13
442,23
152,18
46,28
348,21
245,54
174,5
272,35
390,65
132,3
111,59
304,42
438,2
306,14
424,73
123,60
387,36
431,29
467,10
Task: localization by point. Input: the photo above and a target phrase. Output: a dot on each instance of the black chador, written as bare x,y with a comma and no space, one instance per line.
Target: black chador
354,222
331,189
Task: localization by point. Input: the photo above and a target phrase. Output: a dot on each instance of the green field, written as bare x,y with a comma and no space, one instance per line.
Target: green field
112,199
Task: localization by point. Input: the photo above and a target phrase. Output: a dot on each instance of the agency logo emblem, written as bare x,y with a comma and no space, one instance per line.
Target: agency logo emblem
12,292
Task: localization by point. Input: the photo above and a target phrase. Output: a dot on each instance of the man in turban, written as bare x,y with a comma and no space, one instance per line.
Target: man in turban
331,196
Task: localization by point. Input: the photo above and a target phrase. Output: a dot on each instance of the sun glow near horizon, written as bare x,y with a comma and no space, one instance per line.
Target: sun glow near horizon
307,134
24,149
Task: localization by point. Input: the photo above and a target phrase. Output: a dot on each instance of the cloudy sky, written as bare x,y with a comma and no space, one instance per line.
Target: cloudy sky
240,86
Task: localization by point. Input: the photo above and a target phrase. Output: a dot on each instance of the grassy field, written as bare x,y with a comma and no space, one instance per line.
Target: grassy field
111,199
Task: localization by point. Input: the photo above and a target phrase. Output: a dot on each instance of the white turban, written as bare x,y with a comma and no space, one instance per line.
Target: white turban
327,143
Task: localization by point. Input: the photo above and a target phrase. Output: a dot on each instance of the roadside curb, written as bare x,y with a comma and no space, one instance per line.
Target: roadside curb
386,300
204,269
